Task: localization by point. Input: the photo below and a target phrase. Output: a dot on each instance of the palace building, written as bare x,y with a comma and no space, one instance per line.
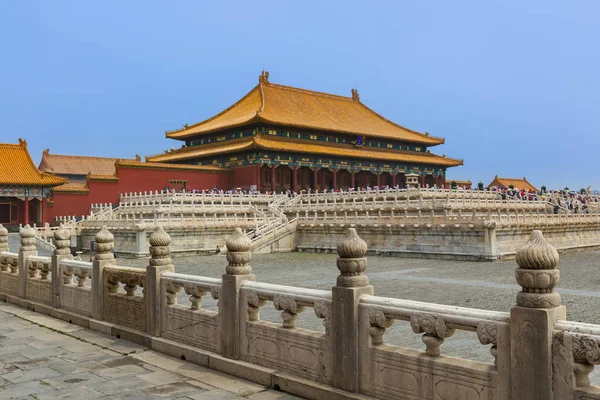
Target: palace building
24,189
515,183
279,137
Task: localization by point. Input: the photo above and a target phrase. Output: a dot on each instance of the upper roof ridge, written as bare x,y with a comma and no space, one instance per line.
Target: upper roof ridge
46,154
308,91
186,126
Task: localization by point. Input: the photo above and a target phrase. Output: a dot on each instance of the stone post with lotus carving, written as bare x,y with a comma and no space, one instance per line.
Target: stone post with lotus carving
62,241
532,319
105,244
160,262
352,283
238,270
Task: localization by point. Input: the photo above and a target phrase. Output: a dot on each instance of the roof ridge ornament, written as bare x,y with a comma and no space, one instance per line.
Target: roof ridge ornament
23,142
264,77
355,95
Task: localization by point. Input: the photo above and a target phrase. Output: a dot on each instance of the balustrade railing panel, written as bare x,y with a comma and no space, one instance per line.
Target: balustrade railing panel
39,279
9,272
352,353
302,352
123,303
76,290
189,324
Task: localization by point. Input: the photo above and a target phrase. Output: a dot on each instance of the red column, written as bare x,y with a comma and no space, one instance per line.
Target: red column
295,180
378,179
257,178
335,185
422,180
273,187
26,210
352,180
316,178
44,208
393,180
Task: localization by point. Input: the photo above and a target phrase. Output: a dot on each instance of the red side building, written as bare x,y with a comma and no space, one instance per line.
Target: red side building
102,180
24,190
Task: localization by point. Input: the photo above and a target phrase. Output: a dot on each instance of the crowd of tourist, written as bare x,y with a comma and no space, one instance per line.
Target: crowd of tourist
566,200
581,202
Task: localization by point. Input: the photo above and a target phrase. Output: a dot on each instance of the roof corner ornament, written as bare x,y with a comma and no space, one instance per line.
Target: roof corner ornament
426,133
355,95
138,157
185,126
23,142
264,77
46,151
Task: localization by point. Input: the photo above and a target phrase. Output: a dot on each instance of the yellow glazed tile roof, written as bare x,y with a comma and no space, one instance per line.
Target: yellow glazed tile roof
72,188
77,165
517,183
306,109
297,146
17,168
158,165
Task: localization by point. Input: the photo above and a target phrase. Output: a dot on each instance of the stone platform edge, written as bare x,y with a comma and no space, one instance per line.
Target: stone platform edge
270,378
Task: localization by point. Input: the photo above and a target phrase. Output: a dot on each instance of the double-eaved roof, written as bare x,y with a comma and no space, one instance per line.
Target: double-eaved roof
273,104
17,168
274,143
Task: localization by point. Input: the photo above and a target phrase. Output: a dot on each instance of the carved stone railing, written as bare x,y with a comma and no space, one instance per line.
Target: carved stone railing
39,285
436,323
189,324
166,196
304,353
123,303
202,220
537,353
9,270
576,350
76,290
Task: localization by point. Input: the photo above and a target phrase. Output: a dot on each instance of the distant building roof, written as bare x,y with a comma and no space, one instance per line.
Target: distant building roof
305,109
77,165
516,183
17,168
264,142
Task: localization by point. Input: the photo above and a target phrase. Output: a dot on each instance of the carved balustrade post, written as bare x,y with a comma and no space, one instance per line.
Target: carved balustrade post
3,239
27,249
62,241
238,270
141,244
532,319
490,238
105,243
352,283
160,262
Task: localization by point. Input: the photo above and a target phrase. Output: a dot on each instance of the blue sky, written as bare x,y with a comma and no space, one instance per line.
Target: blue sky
513,86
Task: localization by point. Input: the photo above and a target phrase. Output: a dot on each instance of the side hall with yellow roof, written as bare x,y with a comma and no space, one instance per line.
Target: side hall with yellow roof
24,189
515,183
279,137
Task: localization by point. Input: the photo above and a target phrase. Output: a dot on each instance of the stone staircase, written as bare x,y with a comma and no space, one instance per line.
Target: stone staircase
278,237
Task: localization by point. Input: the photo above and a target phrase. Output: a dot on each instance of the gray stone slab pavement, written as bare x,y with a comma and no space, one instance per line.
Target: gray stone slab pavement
45,358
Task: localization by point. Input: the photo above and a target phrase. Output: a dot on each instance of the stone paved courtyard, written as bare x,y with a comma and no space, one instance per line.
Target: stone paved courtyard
45,358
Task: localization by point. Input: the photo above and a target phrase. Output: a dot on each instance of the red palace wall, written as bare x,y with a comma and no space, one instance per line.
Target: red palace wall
132,180
244,177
